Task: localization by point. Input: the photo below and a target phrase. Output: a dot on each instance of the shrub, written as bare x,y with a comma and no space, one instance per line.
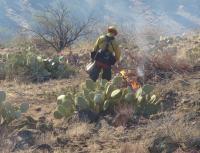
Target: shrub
35,68
194,55
9,112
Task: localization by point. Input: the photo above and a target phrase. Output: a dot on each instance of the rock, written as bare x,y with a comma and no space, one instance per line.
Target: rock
24,139
85,116
163,145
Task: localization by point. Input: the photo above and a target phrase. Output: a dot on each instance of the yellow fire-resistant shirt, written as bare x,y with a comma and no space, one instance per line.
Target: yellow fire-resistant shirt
113,46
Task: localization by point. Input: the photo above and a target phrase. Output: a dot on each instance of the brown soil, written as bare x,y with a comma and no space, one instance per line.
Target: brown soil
181,95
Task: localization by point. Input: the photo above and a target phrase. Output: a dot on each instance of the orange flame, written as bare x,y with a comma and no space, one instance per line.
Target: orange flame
135,85
123,73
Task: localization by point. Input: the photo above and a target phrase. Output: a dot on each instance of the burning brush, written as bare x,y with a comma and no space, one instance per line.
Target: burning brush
131,82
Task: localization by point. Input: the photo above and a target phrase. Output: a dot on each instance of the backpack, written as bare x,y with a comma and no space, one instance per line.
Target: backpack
104,55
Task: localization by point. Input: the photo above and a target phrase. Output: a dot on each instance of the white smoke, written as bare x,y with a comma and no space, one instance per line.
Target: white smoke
182,12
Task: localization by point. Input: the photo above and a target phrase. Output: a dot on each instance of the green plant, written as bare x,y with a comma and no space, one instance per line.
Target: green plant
102,96
30,66
2,70
36,68
15,64
46,68
65,106
57,67
146,104
9,112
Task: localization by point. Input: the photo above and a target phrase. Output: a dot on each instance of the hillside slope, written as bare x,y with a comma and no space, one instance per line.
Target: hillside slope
180,120
174,14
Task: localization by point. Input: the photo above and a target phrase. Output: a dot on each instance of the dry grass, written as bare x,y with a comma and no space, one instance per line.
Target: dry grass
124,112
94,147
177,58
4,144
181,132
79,130
182,151
168,62
106,133
107,138
155,66
133,148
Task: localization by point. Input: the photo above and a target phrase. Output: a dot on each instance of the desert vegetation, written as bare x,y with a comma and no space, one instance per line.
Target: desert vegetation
49,104
152,105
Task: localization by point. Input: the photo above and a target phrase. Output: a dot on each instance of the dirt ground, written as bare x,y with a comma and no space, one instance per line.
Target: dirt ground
180,119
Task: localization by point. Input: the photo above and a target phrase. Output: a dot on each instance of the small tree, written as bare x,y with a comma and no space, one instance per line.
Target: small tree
56,28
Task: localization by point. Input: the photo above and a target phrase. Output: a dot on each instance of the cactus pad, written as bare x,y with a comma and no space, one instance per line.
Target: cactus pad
57,115
116,93
98,98
147,89
129,97
90,84
2,96
81,103
61,99
24,107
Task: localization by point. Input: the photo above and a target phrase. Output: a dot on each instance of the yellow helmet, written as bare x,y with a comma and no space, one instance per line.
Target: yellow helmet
112,29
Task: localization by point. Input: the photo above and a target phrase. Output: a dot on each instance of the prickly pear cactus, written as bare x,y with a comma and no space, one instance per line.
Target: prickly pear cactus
116,94
109,90
108,104
8,112
130,98
90,85
99,98
147,89
153,99
103,96
81,103
2,96
61,99
65,106
146,104
58,115
117,81
24,107
103,83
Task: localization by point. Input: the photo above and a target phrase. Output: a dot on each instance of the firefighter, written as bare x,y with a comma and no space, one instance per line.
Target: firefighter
105,54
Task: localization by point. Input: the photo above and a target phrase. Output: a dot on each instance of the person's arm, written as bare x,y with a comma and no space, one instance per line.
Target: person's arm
96,45
95,49
117,51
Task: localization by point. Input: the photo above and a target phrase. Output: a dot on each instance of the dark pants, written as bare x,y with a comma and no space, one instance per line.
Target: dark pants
94,73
